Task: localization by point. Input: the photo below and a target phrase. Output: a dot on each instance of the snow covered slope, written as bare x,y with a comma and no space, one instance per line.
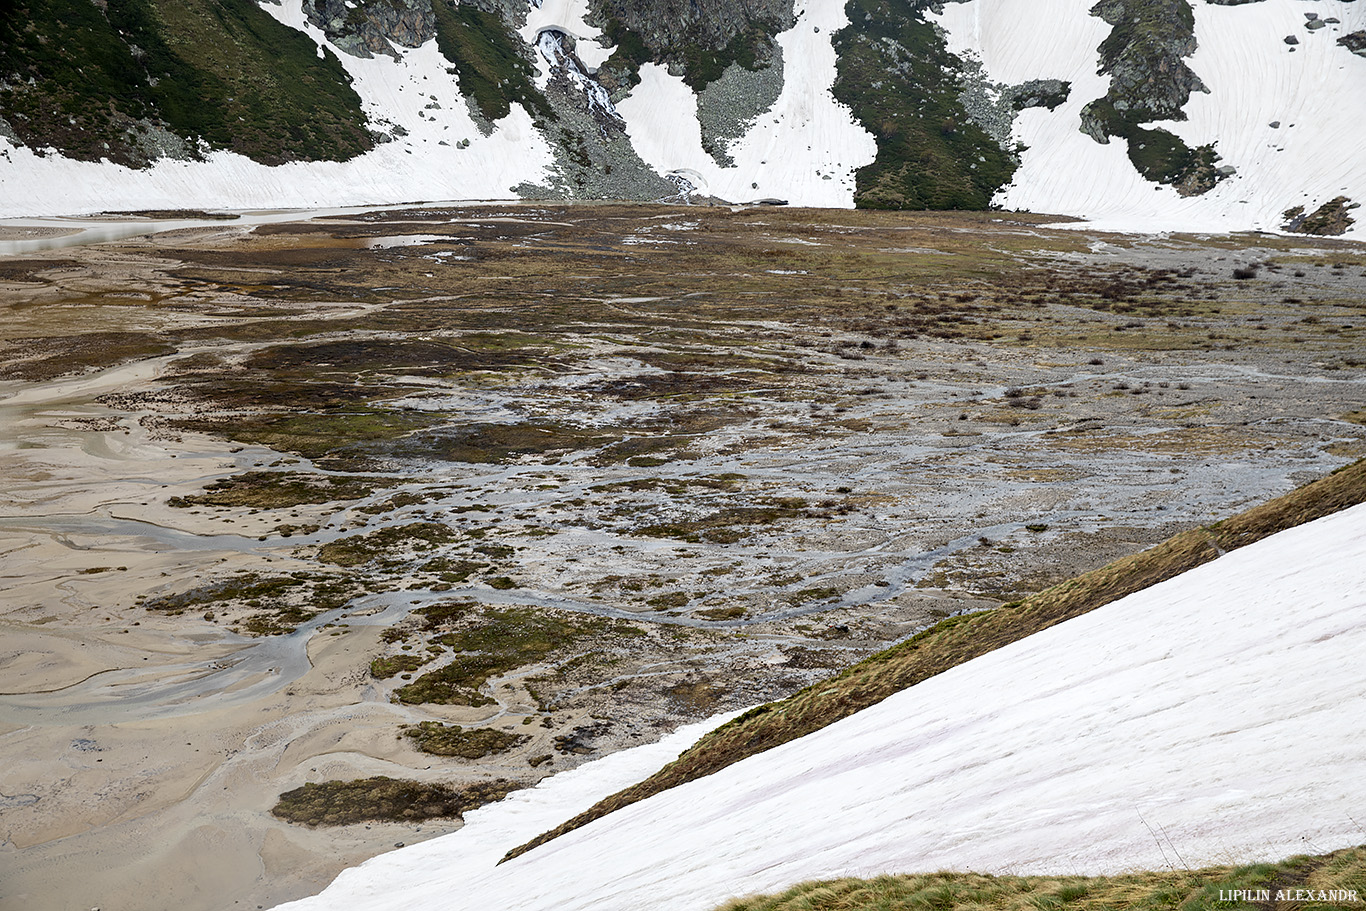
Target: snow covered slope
622,121
804,148
1212,718
1291,122
415,93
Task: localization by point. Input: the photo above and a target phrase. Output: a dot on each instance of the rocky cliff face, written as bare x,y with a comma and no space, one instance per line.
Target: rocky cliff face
699,39
1144,56
370,27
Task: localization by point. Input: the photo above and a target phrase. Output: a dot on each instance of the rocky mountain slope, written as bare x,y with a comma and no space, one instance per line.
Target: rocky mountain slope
1144,113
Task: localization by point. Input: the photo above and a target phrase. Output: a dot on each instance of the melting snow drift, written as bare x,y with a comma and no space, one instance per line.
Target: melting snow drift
1214,718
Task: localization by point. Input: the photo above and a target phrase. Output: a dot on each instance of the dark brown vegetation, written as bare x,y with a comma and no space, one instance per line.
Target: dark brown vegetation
339,803
453,740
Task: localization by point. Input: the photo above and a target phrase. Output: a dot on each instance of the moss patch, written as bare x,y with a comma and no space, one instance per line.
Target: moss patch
392,665
280,603
360,549
453,740
493,641
339,803
280,490
727,526
493,443
339,438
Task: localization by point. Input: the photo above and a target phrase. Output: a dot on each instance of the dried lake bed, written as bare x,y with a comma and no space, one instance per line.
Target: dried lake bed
285,502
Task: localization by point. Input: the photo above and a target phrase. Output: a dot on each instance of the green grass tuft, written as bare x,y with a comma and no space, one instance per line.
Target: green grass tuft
1171,890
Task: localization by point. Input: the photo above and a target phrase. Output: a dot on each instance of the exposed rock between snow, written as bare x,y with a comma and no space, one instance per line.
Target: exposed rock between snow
367,28
1329,219
727,107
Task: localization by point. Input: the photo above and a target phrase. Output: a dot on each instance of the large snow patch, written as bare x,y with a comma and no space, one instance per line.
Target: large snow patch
1213,718
1311,93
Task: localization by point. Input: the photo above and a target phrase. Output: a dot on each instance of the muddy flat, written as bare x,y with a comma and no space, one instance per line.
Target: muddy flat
465,496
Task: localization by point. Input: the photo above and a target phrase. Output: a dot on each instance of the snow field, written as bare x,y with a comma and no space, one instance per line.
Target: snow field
1253,79
804,149
1213,718
1314,93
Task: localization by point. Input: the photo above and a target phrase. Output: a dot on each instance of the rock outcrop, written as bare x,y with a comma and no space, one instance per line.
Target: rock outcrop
1150,81
370,27
1328,220
1354,42
1144,56
698,39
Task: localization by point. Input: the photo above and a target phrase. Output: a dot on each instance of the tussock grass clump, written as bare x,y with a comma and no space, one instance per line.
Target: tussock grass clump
496,641
452,740
956,640
279,490
1188,890
359,549
339,803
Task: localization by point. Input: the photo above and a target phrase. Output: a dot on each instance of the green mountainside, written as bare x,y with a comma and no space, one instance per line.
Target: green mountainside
134,81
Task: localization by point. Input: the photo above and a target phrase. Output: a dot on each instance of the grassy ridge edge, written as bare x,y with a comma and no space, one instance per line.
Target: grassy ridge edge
1336,881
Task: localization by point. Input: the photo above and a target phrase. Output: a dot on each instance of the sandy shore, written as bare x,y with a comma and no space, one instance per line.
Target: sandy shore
130,790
